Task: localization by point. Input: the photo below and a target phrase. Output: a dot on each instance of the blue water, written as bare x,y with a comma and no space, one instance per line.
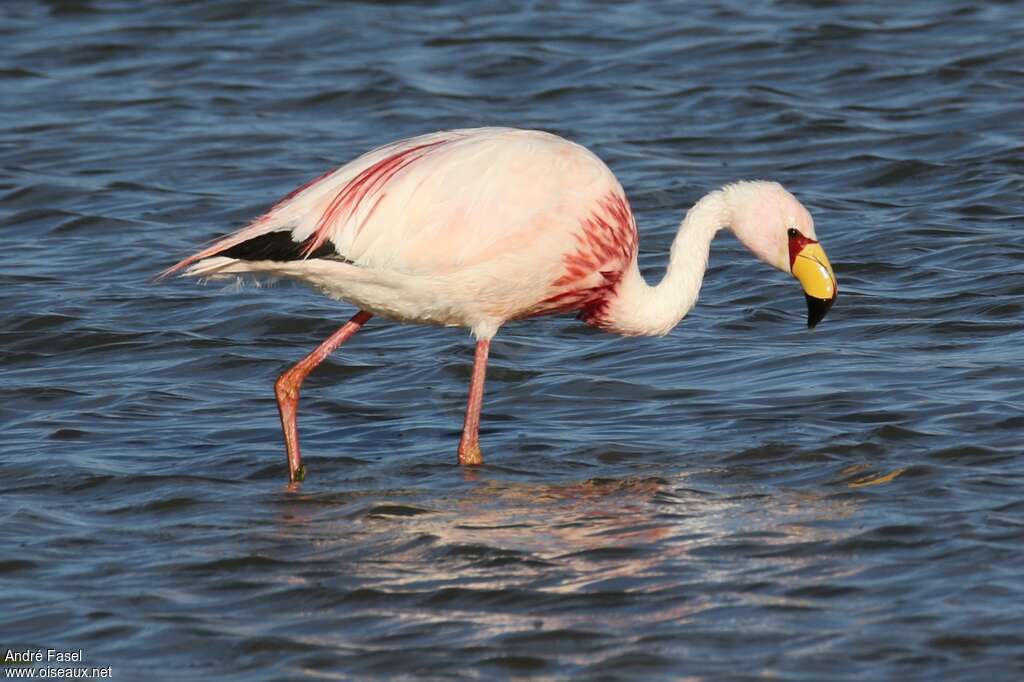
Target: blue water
742,499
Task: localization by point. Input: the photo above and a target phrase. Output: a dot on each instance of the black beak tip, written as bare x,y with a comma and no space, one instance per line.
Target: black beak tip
817,308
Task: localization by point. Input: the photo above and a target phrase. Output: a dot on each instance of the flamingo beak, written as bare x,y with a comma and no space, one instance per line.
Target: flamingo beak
810,265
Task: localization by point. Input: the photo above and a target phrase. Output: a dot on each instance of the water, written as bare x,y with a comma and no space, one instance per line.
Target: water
741,499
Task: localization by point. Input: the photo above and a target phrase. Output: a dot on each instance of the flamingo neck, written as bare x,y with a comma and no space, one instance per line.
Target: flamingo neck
639,309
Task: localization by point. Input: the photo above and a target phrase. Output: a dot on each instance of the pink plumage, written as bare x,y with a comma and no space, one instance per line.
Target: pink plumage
475,228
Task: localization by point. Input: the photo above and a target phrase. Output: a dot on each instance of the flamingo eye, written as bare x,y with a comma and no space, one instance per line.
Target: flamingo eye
793,233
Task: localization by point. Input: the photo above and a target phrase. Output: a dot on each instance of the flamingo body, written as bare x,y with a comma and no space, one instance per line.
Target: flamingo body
466,228
477,227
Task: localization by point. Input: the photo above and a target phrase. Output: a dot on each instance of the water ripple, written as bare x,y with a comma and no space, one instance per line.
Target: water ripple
740,500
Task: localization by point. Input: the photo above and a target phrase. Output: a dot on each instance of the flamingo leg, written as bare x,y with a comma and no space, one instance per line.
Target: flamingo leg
286,388
469,446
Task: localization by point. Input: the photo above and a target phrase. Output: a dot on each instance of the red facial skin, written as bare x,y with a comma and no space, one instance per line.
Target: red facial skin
797,242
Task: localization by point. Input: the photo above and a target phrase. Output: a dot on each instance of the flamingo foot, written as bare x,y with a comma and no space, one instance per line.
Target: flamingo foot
287,391
470,455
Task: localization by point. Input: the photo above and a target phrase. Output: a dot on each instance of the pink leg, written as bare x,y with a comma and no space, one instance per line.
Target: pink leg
287,390
469,446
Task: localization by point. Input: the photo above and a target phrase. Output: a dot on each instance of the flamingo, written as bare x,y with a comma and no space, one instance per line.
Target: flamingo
478,227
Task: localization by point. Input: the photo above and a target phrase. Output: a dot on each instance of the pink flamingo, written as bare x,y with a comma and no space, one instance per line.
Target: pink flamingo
474,228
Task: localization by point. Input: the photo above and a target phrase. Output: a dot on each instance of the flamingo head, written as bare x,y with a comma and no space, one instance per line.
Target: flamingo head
777,228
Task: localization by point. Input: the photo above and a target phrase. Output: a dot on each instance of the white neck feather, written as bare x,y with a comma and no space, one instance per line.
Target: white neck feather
639,309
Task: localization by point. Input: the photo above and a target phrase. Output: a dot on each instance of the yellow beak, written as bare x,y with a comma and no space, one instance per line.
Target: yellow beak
811,267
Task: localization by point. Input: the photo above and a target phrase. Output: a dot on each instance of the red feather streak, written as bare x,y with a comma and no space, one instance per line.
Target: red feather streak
368,182
606,245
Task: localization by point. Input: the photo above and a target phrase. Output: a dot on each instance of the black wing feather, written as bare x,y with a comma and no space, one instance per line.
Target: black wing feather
278,246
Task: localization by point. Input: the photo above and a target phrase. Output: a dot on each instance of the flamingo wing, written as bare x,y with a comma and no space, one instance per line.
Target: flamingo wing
433,204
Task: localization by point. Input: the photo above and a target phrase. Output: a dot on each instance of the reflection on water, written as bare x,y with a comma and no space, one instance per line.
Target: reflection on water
627,536
874,478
